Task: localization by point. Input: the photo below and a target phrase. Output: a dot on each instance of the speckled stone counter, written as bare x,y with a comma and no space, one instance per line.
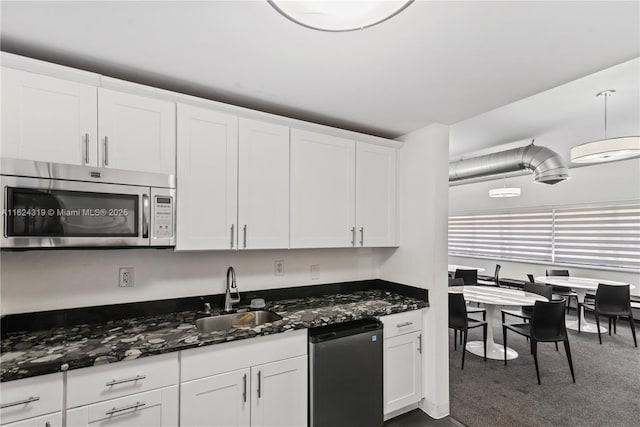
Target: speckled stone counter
31,353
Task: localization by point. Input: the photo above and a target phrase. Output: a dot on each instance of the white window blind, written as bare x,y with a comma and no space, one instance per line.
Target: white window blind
508,235
605,236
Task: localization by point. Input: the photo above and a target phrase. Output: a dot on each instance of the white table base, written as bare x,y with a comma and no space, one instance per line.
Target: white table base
584,325
494,351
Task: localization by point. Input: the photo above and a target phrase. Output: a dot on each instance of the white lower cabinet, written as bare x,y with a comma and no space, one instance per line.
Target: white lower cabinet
157,408
51,420
217,401
279,397
402,361
257,382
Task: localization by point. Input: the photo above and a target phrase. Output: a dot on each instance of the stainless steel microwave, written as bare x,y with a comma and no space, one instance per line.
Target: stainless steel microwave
50,205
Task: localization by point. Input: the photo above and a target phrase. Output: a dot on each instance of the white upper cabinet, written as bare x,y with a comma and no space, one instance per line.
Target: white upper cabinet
322,190
136,132
375,195
263,186
207,173
48,119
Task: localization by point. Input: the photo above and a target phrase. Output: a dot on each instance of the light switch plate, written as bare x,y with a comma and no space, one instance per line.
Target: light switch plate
315,272
278,267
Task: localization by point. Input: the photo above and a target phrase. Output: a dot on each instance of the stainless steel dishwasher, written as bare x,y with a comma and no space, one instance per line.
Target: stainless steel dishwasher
345,375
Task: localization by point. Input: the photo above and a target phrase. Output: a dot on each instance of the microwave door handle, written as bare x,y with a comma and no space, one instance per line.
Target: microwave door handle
145,216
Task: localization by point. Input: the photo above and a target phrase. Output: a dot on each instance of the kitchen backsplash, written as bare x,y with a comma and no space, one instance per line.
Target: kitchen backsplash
56,279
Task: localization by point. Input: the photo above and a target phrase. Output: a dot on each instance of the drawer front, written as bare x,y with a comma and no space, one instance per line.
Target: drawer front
402,323
50,420
221,358
156,408
98,383
30,397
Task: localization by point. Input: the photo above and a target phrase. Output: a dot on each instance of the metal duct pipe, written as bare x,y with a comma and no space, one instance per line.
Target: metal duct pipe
547,166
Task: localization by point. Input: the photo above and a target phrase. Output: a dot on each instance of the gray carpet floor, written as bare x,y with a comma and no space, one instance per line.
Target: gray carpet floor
606,392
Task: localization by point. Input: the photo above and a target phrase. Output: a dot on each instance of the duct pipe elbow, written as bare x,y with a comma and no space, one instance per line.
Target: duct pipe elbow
548,167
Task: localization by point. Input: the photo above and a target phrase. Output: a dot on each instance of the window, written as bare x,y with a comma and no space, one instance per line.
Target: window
606,236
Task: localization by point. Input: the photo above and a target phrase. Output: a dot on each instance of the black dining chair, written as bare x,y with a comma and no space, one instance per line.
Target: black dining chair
460,321
613,301
470,310
563,292
547,325
526,312
496,275
470,277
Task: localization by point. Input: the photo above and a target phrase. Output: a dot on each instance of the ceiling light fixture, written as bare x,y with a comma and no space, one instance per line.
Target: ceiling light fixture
504,191
339,16
607,149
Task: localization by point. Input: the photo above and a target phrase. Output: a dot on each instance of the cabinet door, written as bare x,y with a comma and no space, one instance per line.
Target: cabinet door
402,371
263,186
217,401
207,179
136,132
279,393
51,420
158,408
322,190
48,119
375,195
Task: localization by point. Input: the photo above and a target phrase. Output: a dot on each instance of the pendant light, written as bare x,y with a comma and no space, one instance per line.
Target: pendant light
339,16
607,149
505,191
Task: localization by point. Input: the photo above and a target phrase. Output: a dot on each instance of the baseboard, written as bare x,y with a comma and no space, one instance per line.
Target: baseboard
433,410
400,411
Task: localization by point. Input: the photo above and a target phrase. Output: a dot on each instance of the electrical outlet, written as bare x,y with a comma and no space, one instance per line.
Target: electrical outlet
279,267
126,277
315,272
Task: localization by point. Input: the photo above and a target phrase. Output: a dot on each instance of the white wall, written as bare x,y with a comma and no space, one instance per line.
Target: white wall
603,183
47,280
421,258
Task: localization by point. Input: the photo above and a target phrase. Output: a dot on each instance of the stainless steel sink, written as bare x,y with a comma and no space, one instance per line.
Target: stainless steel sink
225,322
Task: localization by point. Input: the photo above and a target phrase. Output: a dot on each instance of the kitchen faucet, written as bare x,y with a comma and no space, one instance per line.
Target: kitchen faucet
228,299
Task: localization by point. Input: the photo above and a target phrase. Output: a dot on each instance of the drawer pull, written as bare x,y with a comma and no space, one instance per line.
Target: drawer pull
28,400
125,408
402,325
128,380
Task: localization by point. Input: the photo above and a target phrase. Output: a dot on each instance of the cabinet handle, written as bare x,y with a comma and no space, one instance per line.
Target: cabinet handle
232,233
402,325
244,239
128,380
244,388
145,216
259,385
26,401
106,151
125,408
353,236
361,236
86,148
420,343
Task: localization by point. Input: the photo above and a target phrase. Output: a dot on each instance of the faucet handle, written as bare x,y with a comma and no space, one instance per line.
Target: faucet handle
207,308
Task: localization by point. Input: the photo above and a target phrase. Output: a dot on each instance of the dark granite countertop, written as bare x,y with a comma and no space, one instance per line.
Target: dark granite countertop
39,352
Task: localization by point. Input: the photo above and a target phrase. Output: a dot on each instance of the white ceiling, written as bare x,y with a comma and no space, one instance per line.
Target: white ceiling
435,62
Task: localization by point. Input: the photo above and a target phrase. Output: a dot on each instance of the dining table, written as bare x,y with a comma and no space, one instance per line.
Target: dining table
581,285
491,297
454,267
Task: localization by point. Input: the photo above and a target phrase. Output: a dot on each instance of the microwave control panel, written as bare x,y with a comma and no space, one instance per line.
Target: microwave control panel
163,216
